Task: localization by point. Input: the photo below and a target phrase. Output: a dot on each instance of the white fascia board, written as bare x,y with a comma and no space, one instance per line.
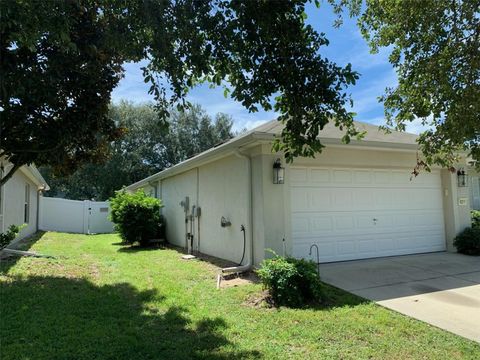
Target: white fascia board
34,175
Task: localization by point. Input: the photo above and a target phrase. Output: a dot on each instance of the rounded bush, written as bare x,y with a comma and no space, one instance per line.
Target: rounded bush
468,242
290,282
136,216
475,219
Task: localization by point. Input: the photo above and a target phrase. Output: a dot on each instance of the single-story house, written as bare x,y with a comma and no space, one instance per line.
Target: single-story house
19,198
352,201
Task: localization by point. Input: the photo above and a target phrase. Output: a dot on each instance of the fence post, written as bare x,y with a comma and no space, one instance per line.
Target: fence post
86,215
40,213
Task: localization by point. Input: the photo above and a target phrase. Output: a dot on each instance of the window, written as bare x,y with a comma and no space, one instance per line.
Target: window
26,215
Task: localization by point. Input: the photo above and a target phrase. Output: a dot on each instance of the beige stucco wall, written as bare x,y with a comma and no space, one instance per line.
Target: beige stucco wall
220,188
173,191
13,204
223,191
456,204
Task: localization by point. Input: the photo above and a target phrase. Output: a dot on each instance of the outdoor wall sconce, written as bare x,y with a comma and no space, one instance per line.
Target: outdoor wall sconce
278,172
462,178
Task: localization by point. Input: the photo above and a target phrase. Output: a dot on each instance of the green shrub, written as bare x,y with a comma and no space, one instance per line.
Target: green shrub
7,237
475,219
290,282
136,216
468,242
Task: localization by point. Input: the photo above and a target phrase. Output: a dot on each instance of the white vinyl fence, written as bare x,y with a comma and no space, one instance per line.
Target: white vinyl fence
84,217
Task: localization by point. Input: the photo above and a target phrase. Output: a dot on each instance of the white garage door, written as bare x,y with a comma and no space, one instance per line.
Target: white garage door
363,213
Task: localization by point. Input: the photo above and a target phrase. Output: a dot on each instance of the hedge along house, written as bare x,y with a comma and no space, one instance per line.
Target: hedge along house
353,201
19,198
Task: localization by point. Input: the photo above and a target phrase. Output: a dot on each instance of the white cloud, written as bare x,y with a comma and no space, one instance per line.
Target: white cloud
249,124
366,99
417,126
132,87
414,127
378,120
360,56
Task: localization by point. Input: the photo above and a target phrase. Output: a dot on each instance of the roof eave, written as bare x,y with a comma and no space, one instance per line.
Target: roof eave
198,160
228,148
33,174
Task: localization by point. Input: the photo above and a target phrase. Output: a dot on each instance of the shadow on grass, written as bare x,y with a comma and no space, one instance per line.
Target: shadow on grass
9,260
61,318
126,248
336,298
119,243
332,298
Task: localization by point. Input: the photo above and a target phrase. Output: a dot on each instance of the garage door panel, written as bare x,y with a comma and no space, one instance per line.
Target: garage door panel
344,222
382,177
300,226
321,176
346,247
350,216
321,224
342,176
340,198
320,197
300,200
298,175
363,199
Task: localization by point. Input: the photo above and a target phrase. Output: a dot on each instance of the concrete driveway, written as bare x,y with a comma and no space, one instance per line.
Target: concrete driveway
442,289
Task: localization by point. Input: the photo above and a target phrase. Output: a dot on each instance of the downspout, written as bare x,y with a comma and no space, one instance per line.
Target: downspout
38,209
198,211
40,190
243,268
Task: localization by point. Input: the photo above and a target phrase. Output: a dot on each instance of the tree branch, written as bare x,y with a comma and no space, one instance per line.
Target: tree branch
12,171
37,151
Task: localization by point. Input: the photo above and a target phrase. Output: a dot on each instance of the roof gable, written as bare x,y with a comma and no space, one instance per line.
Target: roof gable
266,132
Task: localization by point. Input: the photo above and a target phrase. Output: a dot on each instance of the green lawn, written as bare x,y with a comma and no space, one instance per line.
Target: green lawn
100,300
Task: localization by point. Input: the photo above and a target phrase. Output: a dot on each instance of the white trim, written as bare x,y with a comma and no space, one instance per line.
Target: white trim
34,175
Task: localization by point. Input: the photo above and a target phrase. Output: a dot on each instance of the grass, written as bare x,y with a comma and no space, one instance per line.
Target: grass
98,300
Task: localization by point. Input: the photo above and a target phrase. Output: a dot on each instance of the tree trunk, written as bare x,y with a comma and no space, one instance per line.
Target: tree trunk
10,173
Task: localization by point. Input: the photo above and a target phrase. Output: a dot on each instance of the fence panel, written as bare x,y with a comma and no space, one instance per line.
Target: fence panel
98,217
84,217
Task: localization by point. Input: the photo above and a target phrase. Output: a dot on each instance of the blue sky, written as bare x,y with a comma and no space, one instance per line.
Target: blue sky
346,46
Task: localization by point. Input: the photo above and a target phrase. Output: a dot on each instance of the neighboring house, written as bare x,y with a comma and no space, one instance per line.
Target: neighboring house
19,199
353,201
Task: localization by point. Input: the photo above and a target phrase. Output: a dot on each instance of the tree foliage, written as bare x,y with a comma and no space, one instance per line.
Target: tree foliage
57,72
61,60
147,147
435,50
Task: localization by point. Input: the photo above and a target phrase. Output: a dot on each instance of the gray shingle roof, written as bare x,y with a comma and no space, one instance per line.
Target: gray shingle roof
330,131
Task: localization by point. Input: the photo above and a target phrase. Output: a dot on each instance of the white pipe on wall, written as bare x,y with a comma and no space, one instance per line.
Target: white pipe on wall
249,264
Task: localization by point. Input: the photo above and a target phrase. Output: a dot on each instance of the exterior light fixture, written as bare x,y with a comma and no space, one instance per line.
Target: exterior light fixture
278,172
462,178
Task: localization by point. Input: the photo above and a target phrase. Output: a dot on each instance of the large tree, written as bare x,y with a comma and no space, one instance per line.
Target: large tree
60,60
148,146
435,50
